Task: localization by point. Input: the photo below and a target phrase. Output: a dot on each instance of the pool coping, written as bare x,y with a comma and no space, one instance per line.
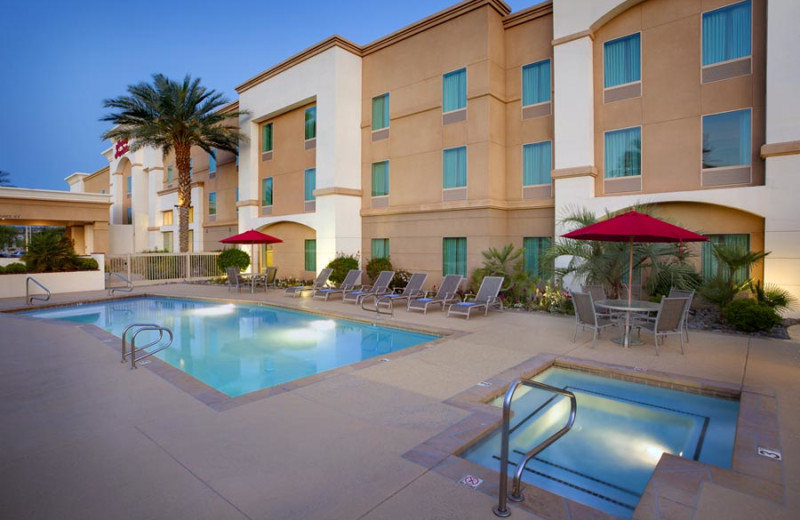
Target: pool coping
675,486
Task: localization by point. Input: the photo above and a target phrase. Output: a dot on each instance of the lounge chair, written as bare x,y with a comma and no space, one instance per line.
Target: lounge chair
412,289
689,295
486,297
587,317
348,284
444,296
668,321
378,288
235,279
319,283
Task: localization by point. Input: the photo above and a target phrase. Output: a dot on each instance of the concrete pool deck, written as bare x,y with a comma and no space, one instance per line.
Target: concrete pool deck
82,436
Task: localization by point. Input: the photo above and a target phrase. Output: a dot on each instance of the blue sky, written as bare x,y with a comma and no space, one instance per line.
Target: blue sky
60,60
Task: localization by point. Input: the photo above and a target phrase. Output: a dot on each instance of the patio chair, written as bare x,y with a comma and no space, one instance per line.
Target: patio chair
319,283
689,295
412,289
235,279
486,297
267,278
378,288
587,317
668,320
598,293
445,295
349,283
636,291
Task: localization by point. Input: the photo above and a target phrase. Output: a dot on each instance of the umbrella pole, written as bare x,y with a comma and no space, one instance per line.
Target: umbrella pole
627,334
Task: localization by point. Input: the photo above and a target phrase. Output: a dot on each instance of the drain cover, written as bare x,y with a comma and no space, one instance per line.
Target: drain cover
485,384
470,481
770,454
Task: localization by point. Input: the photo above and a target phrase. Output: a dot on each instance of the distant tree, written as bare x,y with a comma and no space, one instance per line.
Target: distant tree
5,179
8,236
174,115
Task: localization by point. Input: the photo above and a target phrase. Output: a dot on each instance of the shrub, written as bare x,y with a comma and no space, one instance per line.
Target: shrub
50,251
777,298
341,265
16,268
400,280
2,270
233,258
86,264
750,315
376,265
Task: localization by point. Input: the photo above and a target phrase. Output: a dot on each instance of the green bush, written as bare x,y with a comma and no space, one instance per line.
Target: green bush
400,280
50,251
2,270
233,258
16,268
750,315
341,265
86,264
376,265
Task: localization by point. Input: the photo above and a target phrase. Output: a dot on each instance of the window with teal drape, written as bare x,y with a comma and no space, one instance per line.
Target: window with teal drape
212,203
311,255
129,215
535,248
237,199
130,185
711,266
380,248
380,112
266,192
623,153
212,162
454,256
311,123
454,90
622,59
380,179
170,175
310,184
454,167
536,163
726,139
726,33
191,167
266,137
536,83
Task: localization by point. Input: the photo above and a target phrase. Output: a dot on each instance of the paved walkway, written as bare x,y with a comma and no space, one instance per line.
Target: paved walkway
82,437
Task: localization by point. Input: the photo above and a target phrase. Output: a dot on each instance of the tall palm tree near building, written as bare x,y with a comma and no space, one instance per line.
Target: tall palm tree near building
5,179
175,115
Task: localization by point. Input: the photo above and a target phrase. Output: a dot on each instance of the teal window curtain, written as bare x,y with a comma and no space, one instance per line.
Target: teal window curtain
536,83
726,33
454,256
622,58
454,167
310,184
380,112
535,248
212,203
454,90
537,160
212,162
266,192
237,156
623,153
130,184
170,175
311,255
237,199
380,179
726,139
266,136
710,265
129,215
380,248
191,167
311,123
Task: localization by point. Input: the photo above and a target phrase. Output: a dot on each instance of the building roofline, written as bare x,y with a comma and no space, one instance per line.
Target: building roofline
528,14
54,195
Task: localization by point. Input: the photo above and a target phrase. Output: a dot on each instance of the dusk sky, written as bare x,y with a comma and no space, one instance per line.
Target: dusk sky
60,60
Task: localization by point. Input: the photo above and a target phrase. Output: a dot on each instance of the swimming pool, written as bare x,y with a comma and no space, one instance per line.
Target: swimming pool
241,348
621,431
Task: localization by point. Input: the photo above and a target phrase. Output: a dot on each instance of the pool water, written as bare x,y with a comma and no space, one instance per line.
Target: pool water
620,432
240,348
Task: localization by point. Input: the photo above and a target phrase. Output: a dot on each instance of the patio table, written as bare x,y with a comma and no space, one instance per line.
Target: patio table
253,278
628,307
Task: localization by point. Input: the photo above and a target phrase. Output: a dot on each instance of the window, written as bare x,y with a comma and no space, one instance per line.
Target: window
191,214
237,156
454,167
380,179
166,218
212,162
380,248
191,241
167,236
536,83
191,167
212,203
536,163
726,33
129,216
266,191
310,184
130,184
311,255
454,90
454,255
237,199
622,59
623,153
170,175
726,139
535,248
380,112
711,266
266,136
311,123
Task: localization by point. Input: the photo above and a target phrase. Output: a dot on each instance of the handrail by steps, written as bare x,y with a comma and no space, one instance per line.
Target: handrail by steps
377,309
142,327
516,495
28,297
128,284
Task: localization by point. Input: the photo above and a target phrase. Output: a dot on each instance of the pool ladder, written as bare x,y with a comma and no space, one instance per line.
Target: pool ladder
516,494
137,354
127,288
388,306
30,297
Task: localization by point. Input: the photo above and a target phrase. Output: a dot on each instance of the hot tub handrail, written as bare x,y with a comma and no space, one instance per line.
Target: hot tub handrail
28,297
516,495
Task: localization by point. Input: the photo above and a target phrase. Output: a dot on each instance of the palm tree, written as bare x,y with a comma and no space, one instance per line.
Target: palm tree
5,179
168,114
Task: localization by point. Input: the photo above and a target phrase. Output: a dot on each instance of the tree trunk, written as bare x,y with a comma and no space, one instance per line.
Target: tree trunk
183,162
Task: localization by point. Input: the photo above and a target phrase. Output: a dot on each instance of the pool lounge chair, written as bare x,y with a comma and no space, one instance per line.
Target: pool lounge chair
486,297
444,296
349,283
412,289
380,287
587,317
319,283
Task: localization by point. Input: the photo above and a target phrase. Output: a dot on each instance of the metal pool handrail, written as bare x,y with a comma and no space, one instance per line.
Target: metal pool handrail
128,284
28,297
142,327
516,495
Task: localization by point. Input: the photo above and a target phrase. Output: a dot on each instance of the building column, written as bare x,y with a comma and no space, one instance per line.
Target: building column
140,205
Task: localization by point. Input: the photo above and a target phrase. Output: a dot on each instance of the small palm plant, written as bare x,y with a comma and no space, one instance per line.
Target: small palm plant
733,262
509,264
49,251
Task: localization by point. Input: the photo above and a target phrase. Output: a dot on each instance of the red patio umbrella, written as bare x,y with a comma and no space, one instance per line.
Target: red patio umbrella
251,237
